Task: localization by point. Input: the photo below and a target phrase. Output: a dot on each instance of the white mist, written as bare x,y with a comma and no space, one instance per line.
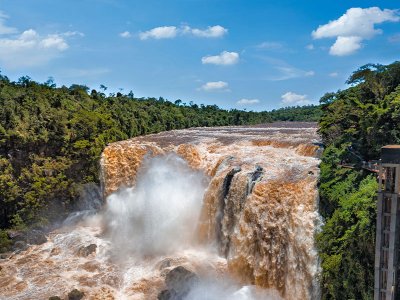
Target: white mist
159,215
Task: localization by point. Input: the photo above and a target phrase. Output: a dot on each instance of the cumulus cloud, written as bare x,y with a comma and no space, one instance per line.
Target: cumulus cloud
290,99
163,32
224,58
215,86
169,32
245,101
210,32
30,49
356,25
125,34
3,28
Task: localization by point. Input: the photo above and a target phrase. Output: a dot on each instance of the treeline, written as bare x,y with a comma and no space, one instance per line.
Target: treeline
51,140
355,124
309,113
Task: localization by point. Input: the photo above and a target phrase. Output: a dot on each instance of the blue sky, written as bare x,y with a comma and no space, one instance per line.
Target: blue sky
254,55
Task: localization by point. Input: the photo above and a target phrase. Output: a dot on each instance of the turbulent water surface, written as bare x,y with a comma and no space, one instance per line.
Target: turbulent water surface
237,206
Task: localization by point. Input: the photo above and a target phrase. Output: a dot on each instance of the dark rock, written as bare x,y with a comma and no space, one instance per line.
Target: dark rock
179,281
36,237
255,176
16,235
87,250
167,295
20,245
5,255
54,298
75,295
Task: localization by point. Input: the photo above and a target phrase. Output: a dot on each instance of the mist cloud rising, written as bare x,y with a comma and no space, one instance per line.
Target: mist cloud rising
159,215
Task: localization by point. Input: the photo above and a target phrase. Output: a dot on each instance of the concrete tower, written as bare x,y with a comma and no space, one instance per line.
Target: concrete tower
387,266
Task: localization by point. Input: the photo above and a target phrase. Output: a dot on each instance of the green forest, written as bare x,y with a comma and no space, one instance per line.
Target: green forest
51,139
355,124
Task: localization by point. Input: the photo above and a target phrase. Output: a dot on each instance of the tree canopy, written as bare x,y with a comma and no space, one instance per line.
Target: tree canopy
354,125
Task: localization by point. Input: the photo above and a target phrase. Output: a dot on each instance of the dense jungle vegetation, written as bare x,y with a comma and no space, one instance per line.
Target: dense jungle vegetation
310,113
355,124
51,140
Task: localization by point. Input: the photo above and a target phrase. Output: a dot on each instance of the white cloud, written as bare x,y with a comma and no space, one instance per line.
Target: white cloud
30,49
215,86
291,99
224,58
72,33
334,74
164,32
3,28
247,101
353,27
310,47
169,32
345,45
210,32
125,34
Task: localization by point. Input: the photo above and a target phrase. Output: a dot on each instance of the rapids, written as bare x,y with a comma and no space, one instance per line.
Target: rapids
235,205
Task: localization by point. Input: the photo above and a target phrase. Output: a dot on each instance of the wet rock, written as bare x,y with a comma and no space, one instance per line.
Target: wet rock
179,281
36,237
16,235
167,295
5,255
75,295
87,250
20,245
54,298
255,176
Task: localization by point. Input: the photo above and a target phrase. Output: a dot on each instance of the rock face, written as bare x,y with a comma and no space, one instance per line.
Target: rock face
179,281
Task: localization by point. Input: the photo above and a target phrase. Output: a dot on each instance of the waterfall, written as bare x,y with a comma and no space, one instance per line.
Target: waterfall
233,207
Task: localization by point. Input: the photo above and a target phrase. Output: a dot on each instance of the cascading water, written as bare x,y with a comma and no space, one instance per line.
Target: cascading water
235,211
